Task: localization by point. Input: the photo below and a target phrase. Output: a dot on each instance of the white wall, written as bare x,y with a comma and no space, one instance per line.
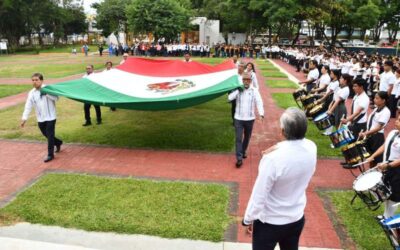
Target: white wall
236,38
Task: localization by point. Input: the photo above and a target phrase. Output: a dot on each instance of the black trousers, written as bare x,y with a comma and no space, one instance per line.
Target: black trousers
393,105
48,130
243,131
86,108
357,127
266,236
233,110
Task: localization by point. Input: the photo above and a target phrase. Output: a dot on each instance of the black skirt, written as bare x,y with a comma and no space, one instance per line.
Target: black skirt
373,143
392,178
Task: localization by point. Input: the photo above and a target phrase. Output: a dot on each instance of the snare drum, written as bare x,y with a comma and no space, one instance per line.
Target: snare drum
369,186
341,137
308,101
323,122
317,110
299,93
355,153
392,229
351,154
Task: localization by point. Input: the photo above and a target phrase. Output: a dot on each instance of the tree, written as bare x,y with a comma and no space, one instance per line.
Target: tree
112,17
163,18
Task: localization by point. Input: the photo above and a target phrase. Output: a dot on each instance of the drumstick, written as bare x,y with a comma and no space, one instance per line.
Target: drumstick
340,124
358,138
396,205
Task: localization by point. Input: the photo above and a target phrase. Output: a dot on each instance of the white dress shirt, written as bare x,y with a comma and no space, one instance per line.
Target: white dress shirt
379,118
246,100
342,93
45,106
334,87
324,80
313,75
387,79
361,101
279,193
395,148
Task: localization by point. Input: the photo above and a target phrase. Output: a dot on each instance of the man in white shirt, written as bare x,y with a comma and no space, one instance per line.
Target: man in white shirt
246,100
359,108
387,78
45,108
312,76
275,212
86,106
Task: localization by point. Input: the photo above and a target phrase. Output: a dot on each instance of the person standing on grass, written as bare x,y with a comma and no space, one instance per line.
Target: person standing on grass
246,100
275,212
45,108
109,65
86,106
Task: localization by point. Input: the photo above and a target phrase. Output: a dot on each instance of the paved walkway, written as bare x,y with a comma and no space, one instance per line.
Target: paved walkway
22,162
38,237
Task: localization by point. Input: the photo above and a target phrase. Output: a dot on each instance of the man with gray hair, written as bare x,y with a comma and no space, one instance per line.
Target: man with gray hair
246,99
275,212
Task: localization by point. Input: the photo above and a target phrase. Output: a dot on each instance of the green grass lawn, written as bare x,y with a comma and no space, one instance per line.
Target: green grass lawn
277,74
61,65
285,100
204,127
281,84
123,205
360,224
267,68
8,90
50,70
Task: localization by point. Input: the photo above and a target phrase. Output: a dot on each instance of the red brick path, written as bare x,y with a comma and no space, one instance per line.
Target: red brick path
21,162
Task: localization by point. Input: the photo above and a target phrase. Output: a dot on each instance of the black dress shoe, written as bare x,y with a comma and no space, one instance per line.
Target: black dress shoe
244,155
239,163
99,122
87,124
48,158
58,147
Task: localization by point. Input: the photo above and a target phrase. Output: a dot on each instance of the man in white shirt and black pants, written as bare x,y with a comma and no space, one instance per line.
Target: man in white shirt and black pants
246,100
45,107
359,108
275,212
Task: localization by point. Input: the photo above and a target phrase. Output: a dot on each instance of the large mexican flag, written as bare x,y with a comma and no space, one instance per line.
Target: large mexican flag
146,84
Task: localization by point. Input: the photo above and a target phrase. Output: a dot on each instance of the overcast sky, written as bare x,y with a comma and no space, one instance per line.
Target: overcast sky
87,3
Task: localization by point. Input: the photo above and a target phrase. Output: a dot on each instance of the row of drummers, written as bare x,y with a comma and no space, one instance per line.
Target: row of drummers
361,139
357,134
328,111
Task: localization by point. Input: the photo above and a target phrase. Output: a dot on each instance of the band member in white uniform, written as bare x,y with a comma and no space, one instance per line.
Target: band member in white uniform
391,167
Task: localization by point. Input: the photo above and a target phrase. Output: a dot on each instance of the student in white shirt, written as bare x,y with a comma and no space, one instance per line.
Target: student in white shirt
387,78
275,212
45,108
395,95
376,123
250,69
391,167
332,89
246,100
323,81
337,108
312,76
359,108
109,65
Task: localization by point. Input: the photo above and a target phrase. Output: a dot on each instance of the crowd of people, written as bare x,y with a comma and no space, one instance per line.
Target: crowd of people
372,82
195,49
